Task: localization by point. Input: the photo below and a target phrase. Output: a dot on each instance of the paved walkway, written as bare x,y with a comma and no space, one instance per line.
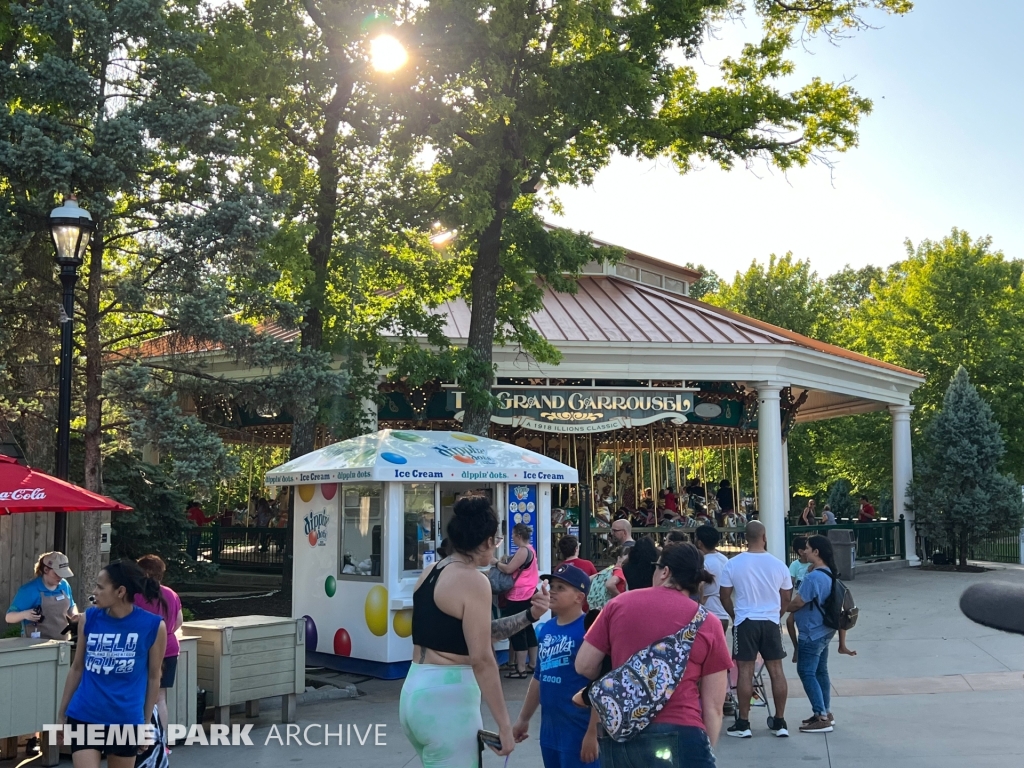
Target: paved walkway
928,689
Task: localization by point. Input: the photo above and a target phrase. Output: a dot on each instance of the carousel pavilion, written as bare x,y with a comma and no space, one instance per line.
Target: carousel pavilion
647,374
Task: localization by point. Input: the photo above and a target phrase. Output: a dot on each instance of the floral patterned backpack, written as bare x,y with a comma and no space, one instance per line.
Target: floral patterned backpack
629,697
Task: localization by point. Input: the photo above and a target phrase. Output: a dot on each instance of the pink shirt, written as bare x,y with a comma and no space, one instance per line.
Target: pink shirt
170,615
526,581
639,618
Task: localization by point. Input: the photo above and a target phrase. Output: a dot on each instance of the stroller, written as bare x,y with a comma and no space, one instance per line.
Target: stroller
759,697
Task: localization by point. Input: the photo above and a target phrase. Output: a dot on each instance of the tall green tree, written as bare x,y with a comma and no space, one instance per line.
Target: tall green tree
520,92
952,302
959,493
353,246
104,99
709,281
784,292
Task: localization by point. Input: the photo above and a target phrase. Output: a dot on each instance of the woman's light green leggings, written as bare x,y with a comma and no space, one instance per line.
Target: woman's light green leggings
440,714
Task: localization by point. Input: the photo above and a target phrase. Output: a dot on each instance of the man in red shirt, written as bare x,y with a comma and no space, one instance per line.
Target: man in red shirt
867,512
195,514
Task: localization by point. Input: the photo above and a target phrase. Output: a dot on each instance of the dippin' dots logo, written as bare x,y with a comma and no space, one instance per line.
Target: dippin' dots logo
315,527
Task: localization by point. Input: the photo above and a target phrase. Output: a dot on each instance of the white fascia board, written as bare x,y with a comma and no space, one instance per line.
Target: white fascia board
783,364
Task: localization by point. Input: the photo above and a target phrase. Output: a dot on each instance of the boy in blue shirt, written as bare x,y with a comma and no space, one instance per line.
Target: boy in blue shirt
568,734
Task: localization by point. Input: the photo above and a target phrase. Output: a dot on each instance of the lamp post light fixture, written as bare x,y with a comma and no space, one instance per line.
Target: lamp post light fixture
71,228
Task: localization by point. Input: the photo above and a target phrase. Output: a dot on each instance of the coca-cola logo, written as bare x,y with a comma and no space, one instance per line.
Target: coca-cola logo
23,494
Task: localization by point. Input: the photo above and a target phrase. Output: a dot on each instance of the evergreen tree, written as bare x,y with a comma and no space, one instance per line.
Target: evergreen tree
958,493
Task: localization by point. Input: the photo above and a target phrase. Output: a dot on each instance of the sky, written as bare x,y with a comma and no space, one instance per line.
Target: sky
943,148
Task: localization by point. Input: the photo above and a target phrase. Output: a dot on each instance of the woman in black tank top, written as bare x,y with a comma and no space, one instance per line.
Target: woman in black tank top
453,660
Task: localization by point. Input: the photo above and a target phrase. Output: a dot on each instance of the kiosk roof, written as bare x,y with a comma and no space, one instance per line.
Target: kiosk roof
418,455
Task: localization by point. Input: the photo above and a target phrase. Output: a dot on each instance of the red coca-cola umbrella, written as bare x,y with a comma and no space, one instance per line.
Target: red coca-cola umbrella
23,489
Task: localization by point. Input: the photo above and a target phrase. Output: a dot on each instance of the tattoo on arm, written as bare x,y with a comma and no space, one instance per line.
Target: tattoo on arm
504,628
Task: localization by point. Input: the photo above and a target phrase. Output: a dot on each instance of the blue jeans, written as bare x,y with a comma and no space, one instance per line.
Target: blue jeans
660,745
812,666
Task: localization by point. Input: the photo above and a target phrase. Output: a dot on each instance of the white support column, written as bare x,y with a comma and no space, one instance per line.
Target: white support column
769,467
787,497
902,474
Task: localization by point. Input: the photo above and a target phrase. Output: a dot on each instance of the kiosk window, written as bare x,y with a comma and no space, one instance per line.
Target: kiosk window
361,531
420,531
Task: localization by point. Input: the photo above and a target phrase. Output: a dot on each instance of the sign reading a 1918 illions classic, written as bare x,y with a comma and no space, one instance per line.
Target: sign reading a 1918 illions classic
582,410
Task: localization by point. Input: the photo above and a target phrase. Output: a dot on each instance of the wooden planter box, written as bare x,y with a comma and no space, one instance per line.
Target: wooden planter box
248,658
32,677
181,699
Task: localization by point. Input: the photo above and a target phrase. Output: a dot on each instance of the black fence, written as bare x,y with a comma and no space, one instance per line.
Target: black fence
993,549
258,549
875,541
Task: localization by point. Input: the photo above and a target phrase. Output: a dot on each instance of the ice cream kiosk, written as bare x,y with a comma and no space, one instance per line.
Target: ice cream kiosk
370,513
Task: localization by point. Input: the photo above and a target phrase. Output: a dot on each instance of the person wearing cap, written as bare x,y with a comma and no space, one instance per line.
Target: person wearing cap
45,605
568,734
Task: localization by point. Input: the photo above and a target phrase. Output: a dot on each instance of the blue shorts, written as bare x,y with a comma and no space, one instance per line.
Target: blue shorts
553,758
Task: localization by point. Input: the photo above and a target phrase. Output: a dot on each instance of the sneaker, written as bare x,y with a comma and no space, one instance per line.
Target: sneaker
777,725
32,746
817,725
740,729
810,719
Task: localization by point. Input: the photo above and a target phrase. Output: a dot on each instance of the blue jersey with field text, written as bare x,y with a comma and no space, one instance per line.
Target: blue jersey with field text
113,687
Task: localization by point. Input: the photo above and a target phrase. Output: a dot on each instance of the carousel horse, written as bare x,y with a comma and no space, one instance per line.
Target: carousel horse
603,488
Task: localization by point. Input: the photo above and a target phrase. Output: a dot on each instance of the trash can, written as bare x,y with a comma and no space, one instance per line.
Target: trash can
844,545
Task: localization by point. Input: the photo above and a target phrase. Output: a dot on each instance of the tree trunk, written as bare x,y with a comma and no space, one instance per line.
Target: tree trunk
487,276
93,403
963,546
319,249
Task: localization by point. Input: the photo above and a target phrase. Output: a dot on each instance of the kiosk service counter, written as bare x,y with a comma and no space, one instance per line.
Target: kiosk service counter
370,513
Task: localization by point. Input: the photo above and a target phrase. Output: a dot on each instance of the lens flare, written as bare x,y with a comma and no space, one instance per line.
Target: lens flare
387,54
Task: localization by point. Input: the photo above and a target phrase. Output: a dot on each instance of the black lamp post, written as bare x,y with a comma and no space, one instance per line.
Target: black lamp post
71,228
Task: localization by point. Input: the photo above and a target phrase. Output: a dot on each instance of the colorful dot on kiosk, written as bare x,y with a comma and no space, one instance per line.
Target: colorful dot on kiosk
530,459
464,459
464,437
328,490
394,458
311,637
313,538
330,586
342,643
409,438
402,623
306,492
376,611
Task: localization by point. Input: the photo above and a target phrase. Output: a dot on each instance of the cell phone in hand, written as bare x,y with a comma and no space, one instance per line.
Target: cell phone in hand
489,739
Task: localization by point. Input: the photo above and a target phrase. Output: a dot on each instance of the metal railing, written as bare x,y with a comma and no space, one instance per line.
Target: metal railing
875,541
259,549
993,549
601,542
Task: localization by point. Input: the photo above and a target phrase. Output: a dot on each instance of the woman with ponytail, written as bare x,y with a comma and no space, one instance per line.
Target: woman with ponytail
808,609
115,677
682,734
167,606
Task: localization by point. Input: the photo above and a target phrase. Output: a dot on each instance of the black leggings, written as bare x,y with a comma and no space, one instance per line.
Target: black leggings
524,639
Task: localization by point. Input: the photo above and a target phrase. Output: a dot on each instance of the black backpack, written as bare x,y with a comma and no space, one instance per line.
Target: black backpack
839,610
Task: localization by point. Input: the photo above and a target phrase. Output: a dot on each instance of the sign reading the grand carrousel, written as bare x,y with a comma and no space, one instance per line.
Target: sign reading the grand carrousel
582,410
